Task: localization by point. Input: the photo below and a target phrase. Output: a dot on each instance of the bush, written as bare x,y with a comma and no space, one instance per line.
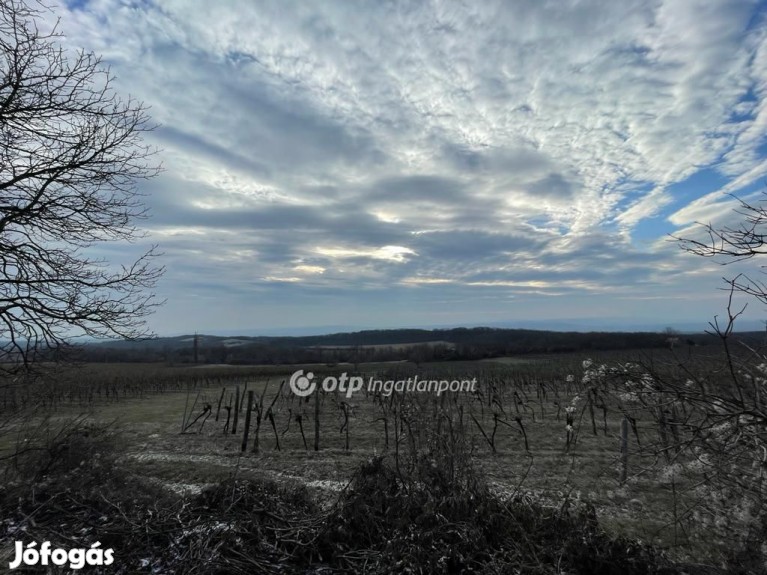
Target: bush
64,452
400,526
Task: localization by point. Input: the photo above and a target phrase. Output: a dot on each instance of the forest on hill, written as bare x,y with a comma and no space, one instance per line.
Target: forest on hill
419,345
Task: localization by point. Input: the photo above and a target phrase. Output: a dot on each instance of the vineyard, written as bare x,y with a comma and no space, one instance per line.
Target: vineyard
614,434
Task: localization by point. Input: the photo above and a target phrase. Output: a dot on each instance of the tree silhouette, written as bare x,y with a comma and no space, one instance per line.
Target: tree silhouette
71,151
730,244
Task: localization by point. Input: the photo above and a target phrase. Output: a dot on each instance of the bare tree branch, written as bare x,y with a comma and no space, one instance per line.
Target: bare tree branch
71,152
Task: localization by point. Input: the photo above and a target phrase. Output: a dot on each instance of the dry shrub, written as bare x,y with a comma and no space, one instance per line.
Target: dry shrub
380,524
63,452
398,526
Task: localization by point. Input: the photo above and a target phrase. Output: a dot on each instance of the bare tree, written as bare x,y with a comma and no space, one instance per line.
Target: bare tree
71,151
703,419
730,244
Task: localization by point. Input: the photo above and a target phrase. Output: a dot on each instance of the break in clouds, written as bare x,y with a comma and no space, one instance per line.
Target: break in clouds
421,163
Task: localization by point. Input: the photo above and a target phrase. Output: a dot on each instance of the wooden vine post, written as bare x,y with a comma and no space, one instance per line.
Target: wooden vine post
317,419
236,410
624,449
247,421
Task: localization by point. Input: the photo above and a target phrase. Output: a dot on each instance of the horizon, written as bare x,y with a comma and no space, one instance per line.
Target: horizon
582,327
437,164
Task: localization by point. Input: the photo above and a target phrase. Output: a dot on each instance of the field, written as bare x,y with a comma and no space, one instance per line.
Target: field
513,428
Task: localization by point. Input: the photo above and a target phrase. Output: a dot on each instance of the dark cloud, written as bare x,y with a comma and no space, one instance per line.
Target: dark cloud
421,188
472,245
553,185
169,136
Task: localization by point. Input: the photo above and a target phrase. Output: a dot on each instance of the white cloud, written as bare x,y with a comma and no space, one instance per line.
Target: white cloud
311,270
326,135
389,253
646,207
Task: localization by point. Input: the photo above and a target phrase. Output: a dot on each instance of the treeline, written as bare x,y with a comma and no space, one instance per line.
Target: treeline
385,345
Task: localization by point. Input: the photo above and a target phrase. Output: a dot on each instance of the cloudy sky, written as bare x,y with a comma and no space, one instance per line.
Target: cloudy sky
388,164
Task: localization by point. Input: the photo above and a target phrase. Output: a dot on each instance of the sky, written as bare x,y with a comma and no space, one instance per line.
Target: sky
391,164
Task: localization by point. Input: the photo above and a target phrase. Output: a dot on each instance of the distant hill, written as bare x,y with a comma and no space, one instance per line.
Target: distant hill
583,325
385,345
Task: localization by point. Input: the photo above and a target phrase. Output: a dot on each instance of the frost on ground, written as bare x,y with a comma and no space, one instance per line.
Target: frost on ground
186,488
